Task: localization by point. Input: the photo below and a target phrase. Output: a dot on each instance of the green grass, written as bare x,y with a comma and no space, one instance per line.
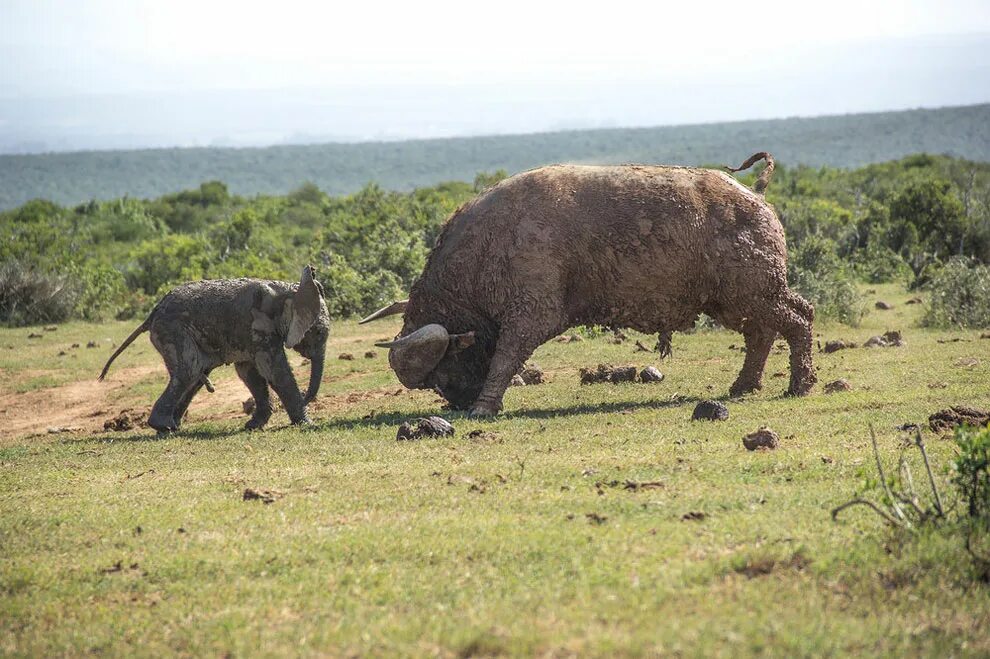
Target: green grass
483,545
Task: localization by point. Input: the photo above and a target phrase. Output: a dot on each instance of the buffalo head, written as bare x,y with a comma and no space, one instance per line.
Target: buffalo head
430,357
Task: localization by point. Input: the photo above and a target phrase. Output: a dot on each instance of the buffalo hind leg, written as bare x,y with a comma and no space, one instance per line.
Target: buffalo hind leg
759,340
793,317
259,391
162,416
183,405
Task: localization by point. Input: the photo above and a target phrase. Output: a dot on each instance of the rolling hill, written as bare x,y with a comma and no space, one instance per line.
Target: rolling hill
842,141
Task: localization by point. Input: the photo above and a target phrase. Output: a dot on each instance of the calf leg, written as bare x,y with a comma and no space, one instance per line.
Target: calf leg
759,340
259,391
274,367
184,400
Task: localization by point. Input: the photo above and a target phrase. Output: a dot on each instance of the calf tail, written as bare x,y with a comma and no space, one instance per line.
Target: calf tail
143,327
763,180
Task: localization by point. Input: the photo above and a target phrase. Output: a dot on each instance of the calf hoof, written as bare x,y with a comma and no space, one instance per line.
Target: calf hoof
255,424
162,426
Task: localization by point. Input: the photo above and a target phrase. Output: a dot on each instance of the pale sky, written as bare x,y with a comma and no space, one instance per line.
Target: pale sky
156,72
96,46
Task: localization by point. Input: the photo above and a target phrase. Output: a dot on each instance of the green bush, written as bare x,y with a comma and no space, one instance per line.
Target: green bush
816,272
960,295
31,297
973,469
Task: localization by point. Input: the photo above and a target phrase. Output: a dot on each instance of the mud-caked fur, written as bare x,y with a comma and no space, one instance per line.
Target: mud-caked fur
199,326
641,247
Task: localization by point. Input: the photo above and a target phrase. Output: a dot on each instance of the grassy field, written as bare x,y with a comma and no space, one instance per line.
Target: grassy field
518,539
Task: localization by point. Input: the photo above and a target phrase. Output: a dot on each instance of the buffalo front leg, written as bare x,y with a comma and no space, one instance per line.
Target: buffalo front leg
759,340
274,367
258,387
511,352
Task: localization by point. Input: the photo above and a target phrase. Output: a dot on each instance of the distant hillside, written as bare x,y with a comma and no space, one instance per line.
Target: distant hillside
842,141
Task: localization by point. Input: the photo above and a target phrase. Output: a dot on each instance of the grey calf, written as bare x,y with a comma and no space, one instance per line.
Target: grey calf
246,322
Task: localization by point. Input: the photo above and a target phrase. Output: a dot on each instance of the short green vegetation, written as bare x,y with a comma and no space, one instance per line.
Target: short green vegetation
586,520
920,221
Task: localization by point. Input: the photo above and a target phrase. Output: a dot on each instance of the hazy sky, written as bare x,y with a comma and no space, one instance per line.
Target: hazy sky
67,49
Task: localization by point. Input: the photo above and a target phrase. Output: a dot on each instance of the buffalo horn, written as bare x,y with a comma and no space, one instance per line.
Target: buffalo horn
399,306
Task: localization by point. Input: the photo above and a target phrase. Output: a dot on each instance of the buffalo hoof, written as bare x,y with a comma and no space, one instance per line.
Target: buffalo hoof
741,389
483,410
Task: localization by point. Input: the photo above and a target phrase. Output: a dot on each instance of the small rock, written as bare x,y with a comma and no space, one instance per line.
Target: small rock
915,300
650,374
517,381
431,426
985,335
841,384
884,306
710,410
346,356
764,439
371,354
50,328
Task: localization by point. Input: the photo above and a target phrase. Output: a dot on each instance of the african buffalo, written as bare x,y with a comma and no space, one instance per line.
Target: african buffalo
632,246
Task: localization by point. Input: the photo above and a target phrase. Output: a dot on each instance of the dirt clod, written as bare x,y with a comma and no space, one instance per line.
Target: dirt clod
57,430
50,328
641,348
958,415
124,421
835,386
34,335
370,354
608,373
763,439
92,344
836,345
531,374
889,339
264,496
693,516
650,374
431,426
517,381
915,300
883,306
710,410
595,518
248,406
346,356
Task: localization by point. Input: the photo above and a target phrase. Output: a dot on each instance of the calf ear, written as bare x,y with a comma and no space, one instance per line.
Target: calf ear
305,308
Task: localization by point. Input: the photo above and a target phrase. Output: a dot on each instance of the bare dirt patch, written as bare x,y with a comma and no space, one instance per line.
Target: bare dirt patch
958,415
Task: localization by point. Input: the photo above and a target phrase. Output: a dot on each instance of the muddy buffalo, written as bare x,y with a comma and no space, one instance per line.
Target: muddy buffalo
633,246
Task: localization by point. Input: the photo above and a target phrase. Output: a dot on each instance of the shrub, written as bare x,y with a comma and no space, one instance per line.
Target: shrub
973,469
960,295
816,272
31,297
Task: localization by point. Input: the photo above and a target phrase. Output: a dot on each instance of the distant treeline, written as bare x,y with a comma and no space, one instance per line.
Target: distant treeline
837,141
913,220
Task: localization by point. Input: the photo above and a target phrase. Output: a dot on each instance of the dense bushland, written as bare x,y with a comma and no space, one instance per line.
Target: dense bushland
923,220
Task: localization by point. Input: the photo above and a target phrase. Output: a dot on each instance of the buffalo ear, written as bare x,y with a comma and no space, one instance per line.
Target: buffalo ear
304,308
